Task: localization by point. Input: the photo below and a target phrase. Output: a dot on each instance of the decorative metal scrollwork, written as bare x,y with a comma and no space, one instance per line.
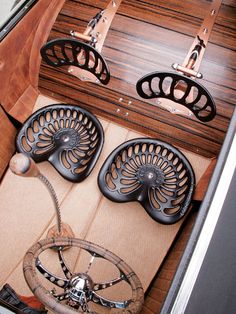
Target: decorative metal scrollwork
78,291
168,85
154,173
69,137
67,52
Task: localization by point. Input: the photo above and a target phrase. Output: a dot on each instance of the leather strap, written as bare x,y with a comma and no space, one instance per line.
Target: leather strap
9,299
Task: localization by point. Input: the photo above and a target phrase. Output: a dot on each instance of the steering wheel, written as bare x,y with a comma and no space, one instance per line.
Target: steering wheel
79,289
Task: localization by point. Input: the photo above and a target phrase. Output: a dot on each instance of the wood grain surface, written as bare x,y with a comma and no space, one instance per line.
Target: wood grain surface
7,141
20,58
147,36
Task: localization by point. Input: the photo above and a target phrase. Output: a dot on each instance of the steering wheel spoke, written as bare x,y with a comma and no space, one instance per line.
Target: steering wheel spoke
61,296
107,284
64,267
58,281
109,303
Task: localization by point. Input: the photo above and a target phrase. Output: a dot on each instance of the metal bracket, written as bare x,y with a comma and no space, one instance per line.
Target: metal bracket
186,71
195,54
181,88
95,34
83,53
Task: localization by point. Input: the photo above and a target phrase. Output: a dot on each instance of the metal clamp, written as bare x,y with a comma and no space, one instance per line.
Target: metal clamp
186,71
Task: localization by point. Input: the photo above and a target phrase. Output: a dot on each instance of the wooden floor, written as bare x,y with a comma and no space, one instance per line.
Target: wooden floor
147,36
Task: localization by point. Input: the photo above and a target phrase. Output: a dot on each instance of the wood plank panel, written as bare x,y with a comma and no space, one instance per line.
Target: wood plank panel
147,36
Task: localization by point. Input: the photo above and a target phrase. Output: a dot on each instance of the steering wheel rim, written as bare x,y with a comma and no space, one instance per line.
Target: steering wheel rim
31,263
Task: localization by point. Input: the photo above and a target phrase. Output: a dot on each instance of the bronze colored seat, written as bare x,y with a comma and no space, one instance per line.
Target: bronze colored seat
69,137
154,173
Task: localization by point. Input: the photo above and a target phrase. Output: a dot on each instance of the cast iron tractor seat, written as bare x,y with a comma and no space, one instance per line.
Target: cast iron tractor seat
152,172
178,88
67,136
65,52
83,53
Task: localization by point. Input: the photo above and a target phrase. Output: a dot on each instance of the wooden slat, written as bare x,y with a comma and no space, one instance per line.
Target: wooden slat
147,36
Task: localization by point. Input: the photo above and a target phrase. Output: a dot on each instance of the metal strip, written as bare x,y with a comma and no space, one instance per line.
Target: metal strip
203,242
203,34
98,27
101,29
97,34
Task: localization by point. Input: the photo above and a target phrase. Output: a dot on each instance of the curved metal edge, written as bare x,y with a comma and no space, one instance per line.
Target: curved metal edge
15,16
172,219
178,77
66,61
175,294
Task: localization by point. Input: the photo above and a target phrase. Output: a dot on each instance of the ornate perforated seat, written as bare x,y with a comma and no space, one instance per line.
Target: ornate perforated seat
82,54
168,85
64,52
154,173
69,137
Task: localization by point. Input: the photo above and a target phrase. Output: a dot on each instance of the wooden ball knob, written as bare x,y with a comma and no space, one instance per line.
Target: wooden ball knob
23,166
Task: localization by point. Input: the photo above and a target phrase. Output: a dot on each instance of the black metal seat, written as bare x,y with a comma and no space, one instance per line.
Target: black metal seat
154,173
65,52
69,137
153,86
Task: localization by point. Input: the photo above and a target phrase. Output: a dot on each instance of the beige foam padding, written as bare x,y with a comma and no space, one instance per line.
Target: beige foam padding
128,231
125,229
26,209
